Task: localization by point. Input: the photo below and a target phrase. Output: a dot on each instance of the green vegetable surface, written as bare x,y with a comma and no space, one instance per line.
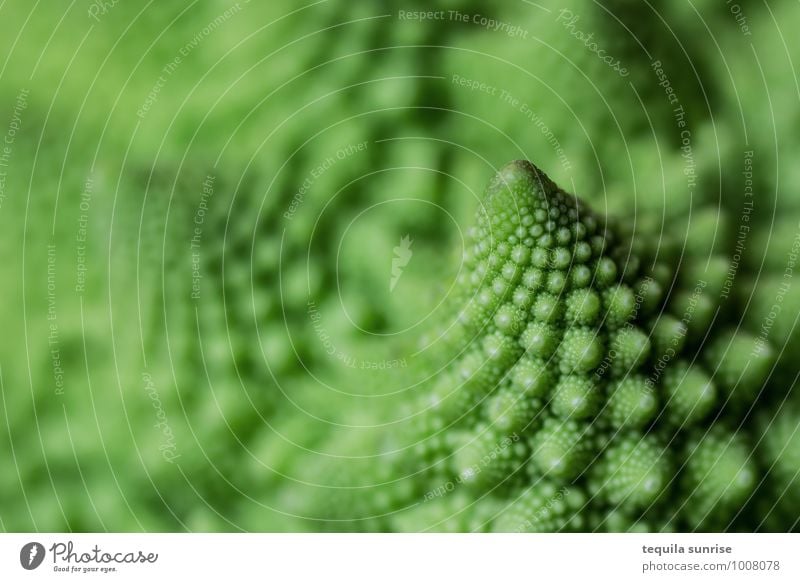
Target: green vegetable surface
581,382
252,281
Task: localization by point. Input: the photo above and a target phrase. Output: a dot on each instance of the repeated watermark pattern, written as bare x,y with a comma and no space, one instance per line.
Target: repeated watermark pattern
197,234
679,114
349,360
491,24
744,226
638,299
471,472
53,340
318,171
739,16
6,148
168,447
172,66
507,98
569,21
402,256
99,8
783,289
82,236
672,349
542,512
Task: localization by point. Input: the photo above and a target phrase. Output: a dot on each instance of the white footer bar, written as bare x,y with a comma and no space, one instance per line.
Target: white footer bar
406,557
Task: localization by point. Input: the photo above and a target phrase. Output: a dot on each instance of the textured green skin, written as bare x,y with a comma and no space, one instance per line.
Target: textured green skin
235,469
599,382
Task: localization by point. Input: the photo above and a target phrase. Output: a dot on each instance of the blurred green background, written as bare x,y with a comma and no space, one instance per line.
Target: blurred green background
200,204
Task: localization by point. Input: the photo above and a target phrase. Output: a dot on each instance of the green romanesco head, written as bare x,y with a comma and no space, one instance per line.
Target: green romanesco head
575,391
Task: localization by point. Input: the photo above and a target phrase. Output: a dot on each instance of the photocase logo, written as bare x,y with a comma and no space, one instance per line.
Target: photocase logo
31,555
402,255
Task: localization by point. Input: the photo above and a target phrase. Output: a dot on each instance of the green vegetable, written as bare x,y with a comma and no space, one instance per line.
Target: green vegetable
566,343
505,421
